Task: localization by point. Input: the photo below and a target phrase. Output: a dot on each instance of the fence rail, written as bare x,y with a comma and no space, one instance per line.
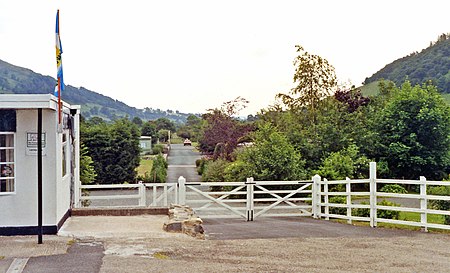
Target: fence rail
252,199
324,206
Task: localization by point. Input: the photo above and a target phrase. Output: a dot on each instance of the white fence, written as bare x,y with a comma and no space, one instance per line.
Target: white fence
373,196
128,195
252,199
248,199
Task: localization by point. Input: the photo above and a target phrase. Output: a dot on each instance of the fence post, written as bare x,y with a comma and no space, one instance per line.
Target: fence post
349,200
316,196
423,203
142,201
182,190
250,198
327,207
373,193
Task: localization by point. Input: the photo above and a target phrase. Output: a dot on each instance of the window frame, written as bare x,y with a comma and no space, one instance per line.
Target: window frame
10,163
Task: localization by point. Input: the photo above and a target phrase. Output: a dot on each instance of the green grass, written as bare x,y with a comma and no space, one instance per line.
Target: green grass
145,166
175,139
370,89
406,216
446,98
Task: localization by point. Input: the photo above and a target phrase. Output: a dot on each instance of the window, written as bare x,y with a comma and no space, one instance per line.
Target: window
64,154
7,163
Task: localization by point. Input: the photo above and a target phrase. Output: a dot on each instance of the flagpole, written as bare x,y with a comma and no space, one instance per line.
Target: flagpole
59,101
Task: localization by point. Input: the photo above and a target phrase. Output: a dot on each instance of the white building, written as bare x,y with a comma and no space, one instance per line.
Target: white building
19,167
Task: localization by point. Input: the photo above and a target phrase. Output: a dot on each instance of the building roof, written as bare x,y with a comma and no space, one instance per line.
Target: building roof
32,101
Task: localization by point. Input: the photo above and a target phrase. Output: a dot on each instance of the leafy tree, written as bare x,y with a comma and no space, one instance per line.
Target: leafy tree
222,132
164,124
149,129
344,163
414,130
315,78
138,121
114,149
192,129
271,157
158,173
87,171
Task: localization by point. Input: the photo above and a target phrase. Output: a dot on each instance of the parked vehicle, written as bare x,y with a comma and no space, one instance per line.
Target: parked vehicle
187,142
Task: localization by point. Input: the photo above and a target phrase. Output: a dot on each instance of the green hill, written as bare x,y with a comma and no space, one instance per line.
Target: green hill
432,63
18,80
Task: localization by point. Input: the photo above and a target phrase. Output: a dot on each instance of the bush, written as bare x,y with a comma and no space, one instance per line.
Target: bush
441,204
393,188
338,200
214,171
159,170
201,165
386,214
157,149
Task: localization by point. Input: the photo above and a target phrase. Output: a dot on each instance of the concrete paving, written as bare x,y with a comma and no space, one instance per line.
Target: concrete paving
99,227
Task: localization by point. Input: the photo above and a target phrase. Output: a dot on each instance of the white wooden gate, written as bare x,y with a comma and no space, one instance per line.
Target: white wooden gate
248,200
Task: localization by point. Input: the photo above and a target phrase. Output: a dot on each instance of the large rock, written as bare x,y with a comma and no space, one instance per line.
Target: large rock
183,219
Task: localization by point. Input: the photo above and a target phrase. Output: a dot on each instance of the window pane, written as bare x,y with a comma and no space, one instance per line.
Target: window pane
7,120
7,172
6,155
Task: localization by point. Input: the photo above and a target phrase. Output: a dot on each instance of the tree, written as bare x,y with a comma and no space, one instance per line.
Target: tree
149,129
87,171
222,132
414,130
271,157
315,79
138,121
164,123
114,149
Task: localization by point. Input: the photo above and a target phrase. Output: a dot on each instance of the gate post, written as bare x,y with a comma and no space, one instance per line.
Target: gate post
182,190
373,193
250,198
423,203
316,196
142,201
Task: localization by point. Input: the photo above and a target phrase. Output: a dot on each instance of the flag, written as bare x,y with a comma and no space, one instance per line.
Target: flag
59,51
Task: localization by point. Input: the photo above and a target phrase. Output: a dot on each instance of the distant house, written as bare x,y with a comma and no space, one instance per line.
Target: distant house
18,163
145,142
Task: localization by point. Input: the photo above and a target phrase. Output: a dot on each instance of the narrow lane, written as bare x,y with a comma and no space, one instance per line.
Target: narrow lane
181,161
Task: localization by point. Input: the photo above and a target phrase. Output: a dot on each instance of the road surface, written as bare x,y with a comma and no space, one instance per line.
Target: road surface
181,162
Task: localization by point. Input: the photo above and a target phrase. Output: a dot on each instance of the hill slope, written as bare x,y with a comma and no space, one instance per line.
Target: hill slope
18,80
432,63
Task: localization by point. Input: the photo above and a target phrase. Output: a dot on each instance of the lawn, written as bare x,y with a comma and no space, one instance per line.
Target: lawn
145,166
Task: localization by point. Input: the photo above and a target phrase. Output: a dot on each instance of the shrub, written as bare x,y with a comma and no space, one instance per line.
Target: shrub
159,170
214,171
386,214
201,165
338,200
441,204
157,149
393,188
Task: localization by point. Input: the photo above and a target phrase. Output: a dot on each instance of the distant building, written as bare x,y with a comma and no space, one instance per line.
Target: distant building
145,142
18,163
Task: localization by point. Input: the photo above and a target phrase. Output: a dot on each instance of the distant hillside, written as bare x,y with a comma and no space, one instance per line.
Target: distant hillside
18,80
432,63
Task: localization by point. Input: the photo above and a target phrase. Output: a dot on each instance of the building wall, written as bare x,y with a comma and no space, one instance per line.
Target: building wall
20,208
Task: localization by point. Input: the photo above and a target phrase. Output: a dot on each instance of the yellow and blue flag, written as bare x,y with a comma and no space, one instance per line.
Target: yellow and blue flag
59,51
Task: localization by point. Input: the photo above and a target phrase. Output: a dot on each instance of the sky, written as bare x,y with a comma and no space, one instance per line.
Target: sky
194,55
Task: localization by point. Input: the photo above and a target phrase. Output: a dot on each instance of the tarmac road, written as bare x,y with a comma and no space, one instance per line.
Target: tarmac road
181,161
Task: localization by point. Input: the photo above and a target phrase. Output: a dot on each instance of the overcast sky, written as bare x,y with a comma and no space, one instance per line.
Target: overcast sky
194,55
